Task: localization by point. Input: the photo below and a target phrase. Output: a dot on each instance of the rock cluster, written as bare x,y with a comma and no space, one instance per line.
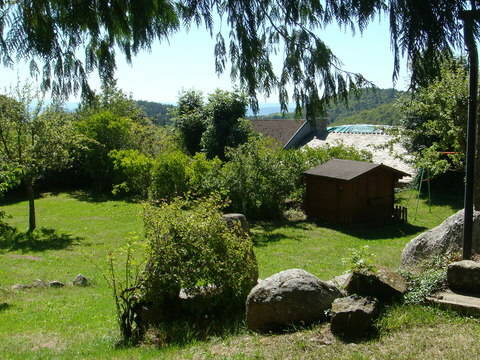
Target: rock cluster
297,297
79,280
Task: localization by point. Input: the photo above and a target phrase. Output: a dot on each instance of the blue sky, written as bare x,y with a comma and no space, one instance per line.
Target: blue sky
187,62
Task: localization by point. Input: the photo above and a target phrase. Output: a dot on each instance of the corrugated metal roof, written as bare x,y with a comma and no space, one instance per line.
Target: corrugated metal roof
348,169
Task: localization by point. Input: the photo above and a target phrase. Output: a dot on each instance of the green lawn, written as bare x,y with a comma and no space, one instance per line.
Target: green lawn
79,231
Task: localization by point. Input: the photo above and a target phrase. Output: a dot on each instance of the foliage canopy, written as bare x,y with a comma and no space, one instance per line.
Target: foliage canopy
434,120
49,34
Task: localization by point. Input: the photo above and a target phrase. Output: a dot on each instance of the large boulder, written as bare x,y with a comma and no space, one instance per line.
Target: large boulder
353,316
289,297
464,276
382,284
448,236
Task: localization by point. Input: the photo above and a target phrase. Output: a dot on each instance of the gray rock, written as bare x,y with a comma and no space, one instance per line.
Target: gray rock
382,284
353,316
39,283
81,280
18,287
464,276
56,284
448,236
237,220
339,282
289,297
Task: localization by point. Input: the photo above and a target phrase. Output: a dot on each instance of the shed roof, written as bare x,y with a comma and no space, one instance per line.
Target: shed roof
349,169
281,130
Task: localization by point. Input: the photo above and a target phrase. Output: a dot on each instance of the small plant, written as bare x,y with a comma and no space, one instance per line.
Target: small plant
360,260
429,278
127,290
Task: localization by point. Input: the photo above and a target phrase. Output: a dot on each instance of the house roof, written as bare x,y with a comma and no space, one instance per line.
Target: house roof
281,130
348,169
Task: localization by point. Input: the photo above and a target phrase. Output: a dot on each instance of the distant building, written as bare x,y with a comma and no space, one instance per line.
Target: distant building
290,133
373,138
346,191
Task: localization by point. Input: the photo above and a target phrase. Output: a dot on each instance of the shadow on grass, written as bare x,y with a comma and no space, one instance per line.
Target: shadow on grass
376,232
263,232
4,306
182,332
98,197
39,240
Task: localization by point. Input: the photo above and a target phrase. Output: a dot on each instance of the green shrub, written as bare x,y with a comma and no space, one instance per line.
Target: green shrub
132,170
169,175
104,132
190,119
225,123
204,176
190,247
429,277
258,179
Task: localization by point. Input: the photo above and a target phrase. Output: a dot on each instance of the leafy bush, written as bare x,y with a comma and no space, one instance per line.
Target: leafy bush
204,176
191,247
175,174
431,276
435,118
105,132
133,170
257,179
190,119
169,175
225,126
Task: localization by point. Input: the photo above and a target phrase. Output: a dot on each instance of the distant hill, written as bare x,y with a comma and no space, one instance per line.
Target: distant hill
367,107
159,113
385,114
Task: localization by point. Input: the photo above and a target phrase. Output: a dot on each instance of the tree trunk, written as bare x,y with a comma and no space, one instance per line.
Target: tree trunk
31,204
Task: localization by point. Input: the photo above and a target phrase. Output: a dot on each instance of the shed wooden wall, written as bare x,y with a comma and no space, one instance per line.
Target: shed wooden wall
367,198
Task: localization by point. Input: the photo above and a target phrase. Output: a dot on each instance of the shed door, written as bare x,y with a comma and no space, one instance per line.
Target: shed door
376,201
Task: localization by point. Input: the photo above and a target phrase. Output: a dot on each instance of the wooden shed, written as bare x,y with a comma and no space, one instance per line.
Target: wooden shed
346,191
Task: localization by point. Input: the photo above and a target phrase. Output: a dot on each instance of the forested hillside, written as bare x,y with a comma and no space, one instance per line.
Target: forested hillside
385,114
159,113
367,106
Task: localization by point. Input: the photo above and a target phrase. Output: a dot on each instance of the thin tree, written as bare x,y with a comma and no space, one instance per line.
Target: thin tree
33,140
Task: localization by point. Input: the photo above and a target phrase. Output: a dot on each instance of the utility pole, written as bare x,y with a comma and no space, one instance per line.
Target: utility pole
469,17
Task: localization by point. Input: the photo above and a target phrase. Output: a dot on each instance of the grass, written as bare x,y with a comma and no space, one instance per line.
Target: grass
78,323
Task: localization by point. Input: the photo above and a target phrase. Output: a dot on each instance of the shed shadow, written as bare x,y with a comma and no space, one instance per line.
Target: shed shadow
375,231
